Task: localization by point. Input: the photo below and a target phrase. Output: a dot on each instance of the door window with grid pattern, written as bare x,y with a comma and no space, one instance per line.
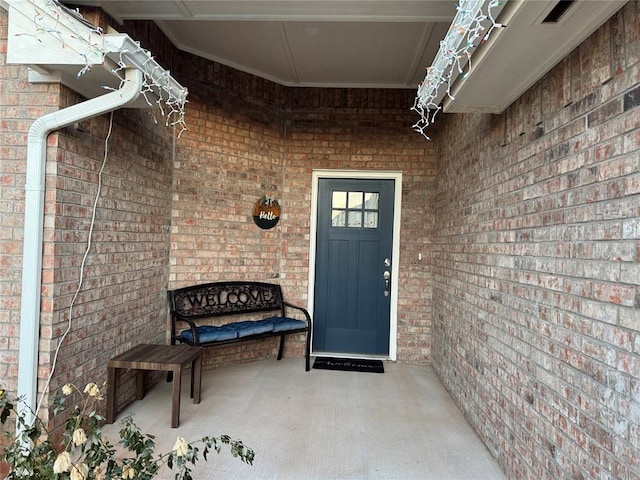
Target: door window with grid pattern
354,209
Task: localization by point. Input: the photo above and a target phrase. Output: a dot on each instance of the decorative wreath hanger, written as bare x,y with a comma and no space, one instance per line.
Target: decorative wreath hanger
266,212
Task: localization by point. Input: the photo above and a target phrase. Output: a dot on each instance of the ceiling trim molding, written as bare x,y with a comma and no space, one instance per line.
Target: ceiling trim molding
417,59
288,53
290,10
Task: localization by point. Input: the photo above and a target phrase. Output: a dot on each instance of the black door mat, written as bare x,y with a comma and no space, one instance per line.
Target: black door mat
348,364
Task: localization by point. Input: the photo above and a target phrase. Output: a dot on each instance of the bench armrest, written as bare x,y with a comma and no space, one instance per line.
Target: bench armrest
194,330
303,310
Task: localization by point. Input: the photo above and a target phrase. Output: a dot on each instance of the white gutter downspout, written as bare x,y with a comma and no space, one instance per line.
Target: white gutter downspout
34,224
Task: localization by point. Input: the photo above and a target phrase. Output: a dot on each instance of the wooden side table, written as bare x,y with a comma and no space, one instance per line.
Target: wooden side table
166,358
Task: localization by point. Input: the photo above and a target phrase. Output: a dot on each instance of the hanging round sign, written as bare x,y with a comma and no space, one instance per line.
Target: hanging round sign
266,212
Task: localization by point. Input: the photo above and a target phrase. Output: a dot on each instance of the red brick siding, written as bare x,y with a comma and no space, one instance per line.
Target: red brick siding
529,224
248,137
123,299
20,102
368,130
232,155
536,310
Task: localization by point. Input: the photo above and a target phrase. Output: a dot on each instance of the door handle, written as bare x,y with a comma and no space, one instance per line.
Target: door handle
387,282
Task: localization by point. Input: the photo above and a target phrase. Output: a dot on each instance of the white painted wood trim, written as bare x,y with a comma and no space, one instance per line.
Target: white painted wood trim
397,210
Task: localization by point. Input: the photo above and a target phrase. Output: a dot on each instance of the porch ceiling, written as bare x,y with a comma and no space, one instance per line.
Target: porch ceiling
368,43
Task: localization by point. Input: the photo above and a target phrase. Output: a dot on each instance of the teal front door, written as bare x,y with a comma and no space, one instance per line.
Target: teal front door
354,242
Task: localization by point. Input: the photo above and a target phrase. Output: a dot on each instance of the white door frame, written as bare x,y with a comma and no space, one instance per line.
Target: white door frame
397,208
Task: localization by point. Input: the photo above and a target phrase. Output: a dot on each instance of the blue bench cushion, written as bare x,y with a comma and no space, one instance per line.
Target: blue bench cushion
231,331
283,324
209,333
251,327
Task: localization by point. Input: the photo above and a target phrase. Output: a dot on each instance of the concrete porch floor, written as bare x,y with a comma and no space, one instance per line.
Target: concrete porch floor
321,424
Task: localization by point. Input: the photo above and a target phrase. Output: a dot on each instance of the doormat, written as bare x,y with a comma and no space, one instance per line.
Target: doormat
348,364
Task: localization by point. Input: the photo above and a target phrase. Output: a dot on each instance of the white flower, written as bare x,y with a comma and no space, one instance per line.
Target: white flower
79,437
79,472
97,473
180,447
128,472
67,389
62,463
92,389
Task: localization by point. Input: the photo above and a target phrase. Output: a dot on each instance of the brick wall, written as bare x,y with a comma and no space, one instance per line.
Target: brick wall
14,121
234,153
528,222
228,160
122,301
367,130
537,283
231,155
18,102
248,137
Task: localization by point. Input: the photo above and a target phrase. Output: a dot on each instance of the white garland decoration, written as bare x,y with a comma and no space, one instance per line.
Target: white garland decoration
466,30
170,104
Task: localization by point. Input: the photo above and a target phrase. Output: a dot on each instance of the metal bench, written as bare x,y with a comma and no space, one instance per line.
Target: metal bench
222,303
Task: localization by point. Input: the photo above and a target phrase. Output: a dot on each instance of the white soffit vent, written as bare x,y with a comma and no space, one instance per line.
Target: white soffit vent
558,11
517,56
